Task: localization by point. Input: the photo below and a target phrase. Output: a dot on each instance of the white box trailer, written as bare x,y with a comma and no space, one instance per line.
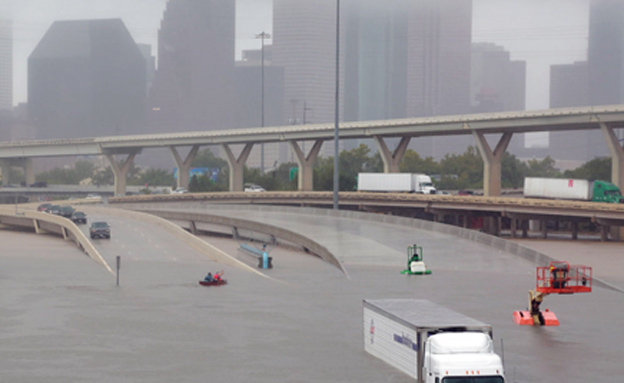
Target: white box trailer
430,343
558,188
395,183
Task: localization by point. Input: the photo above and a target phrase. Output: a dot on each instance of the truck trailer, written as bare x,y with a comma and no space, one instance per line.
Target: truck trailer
430,343
572,189
396,183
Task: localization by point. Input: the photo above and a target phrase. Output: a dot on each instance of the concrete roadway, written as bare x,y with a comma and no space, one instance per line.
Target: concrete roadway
62,319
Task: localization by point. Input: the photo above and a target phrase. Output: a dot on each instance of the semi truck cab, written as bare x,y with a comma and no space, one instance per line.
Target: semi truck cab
465,357
604,191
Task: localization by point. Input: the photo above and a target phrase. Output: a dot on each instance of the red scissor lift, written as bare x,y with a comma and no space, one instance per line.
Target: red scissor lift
556,278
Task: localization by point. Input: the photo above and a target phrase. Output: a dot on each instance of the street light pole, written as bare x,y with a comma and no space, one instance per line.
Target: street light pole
336,112
262,36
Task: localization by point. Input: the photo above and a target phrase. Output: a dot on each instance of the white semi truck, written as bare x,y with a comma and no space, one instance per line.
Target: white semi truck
431,343
572,189
396,183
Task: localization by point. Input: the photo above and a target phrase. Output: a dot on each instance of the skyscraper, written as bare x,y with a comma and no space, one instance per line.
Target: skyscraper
86,78
569,87
304,36
497,83
606,52
376,41
6,65
400,58
194,85
599,81
438,75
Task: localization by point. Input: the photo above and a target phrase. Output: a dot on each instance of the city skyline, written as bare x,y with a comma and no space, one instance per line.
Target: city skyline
544,33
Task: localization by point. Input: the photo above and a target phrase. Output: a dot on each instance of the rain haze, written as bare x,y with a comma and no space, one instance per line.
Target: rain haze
534,35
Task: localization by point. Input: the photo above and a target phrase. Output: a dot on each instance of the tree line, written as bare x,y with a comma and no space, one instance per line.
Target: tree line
453,172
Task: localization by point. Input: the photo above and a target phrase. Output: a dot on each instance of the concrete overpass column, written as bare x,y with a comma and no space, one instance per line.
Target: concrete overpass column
392,161
5,166
184,166
514,227
617,155
492,162
617,167
305,179
236,166
120,170
29,171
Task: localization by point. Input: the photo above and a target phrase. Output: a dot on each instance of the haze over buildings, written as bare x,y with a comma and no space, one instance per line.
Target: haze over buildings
86,79
6,65
597,81
399,58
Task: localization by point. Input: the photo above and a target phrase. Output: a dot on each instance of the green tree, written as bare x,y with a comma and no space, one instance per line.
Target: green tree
206,159
596,169
543,168
413,163
103,176
462,171
513,171
159,177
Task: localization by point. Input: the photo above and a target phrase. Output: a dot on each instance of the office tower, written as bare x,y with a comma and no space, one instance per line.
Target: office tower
250,103
438,77
569,87
605,52
6,65
398,59
150,65
599,81
193,88
86,78
304,44
497,84
376,40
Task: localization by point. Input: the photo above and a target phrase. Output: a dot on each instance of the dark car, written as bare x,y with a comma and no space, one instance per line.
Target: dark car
465,192
67,211
43,206
79,217
53,209
39,184
100,229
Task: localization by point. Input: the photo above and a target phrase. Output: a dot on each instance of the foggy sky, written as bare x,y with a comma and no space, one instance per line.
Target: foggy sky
542,32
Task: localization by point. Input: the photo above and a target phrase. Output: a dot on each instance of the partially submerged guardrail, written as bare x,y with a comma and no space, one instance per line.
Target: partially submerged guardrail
42,223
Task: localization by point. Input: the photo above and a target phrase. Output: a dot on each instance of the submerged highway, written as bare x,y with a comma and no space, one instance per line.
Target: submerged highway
62,318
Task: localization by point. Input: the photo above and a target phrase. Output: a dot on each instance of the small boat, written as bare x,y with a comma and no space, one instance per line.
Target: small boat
213,283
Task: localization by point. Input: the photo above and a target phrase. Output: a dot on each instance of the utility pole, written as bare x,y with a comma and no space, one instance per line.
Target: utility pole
262,36
305,109
336,104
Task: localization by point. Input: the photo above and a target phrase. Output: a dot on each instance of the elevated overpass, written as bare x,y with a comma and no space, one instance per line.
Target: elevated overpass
499,127
458,210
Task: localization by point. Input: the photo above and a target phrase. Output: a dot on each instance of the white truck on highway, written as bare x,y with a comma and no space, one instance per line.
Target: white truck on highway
572,189
431,343
396,183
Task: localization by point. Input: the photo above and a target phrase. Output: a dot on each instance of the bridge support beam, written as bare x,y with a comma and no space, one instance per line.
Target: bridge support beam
305,178
29,171
184,166
5,165
617,167
120,171
492,162
24,163
392,160
236,166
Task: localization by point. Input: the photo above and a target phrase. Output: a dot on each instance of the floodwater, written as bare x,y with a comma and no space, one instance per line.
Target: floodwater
63,319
